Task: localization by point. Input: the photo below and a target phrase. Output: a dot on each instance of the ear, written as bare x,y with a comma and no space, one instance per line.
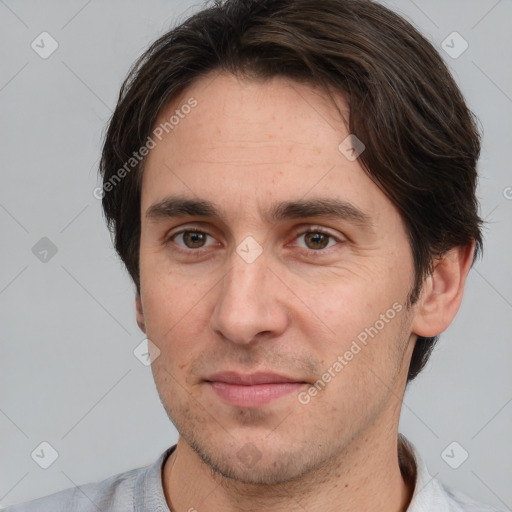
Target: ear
140,313
442,291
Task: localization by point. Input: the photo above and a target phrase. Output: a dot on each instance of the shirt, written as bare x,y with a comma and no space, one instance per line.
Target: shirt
141,490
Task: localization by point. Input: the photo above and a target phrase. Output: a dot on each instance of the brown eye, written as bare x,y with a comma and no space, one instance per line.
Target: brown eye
194,239
191,239
316,240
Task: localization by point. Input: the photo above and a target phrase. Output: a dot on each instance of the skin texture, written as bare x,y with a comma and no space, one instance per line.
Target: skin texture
246,146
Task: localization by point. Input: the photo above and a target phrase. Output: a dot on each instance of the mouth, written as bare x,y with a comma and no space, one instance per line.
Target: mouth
252,390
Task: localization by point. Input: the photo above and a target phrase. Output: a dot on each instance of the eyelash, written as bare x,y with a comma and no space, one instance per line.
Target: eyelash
199,252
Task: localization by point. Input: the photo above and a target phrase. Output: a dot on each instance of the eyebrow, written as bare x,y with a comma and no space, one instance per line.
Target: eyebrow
179,206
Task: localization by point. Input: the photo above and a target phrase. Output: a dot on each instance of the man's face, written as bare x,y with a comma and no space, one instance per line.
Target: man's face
291,294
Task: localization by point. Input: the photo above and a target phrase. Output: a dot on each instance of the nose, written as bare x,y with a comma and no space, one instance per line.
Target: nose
250,302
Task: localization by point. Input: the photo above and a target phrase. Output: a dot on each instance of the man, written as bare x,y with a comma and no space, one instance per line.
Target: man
291,186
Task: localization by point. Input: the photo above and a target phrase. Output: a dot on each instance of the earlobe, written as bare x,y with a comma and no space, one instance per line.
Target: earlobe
442,292
140,313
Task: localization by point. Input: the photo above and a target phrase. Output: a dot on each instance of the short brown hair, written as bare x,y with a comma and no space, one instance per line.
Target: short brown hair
422,142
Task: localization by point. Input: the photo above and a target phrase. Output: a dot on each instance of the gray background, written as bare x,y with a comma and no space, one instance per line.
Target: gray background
68,375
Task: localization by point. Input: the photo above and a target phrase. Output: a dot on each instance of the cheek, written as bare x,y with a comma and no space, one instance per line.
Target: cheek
168,297
361,372
175,312
344,307
361,336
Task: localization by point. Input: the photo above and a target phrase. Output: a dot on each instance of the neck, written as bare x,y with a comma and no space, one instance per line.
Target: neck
367,476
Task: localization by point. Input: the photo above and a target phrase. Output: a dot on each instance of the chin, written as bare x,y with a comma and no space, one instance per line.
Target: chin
255,462
268,470
248,455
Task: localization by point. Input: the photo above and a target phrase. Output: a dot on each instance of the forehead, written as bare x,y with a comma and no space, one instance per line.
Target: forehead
247,142
239,122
